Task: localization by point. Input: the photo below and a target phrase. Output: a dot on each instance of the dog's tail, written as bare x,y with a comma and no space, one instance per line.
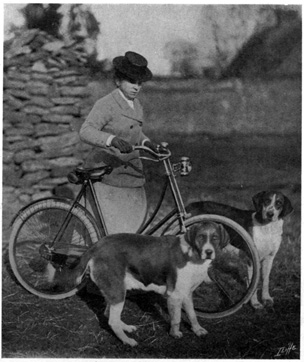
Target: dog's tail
71,277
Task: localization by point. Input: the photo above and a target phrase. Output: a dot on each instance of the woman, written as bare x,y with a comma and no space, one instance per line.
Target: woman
113,126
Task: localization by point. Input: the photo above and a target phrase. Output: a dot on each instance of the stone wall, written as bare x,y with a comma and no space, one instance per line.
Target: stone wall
44,101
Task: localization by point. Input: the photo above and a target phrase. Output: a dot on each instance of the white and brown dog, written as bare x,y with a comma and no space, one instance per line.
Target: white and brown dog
264,224
170,265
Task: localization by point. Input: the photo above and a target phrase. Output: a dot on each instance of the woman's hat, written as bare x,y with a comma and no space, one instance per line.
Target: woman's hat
134,66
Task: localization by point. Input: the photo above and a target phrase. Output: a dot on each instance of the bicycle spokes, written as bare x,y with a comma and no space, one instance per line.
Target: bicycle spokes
36,258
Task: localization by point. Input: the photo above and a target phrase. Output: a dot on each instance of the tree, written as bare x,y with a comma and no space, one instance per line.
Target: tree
267,49
183,56
79,25
43,16
232,26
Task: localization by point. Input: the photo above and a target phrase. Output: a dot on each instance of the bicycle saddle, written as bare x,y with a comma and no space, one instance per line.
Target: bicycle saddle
95,174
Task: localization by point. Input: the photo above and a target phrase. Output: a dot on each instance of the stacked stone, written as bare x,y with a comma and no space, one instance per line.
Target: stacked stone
45,101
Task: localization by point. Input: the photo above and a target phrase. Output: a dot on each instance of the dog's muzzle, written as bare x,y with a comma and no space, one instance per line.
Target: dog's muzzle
209,254
269,215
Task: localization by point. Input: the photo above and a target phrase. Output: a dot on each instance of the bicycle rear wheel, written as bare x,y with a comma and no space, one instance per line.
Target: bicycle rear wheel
230,287
35,260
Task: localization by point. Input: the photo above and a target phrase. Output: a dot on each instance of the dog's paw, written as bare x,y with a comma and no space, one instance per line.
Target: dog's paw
176,334
268,302
130,341
257,305
200,332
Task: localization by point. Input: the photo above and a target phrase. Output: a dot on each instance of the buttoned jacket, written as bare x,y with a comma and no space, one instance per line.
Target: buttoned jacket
112,115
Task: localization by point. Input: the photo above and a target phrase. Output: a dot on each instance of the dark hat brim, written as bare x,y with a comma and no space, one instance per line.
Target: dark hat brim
142,74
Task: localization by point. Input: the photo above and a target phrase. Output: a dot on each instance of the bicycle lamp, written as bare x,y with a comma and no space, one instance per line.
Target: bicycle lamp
186,166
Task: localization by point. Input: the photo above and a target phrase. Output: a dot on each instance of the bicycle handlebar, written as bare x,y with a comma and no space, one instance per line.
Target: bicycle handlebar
159,156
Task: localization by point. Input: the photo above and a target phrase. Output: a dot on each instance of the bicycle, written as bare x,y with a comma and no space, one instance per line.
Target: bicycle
52,233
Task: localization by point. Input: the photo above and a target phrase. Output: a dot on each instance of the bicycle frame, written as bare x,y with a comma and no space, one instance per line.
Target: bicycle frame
179,212
86,183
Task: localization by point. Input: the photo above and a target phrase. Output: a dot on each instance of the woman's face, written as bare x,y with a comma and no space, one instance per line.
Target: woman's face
130,88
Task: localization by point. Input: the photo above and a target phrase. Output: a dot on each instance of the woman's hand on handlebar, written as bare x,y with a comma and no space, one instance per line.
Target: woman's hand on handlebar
122,145
158,151
154,147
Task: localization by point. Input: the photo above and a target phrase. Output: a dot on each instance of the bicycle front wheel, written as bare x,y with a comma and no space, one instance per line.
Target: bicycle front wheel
36,259
229,287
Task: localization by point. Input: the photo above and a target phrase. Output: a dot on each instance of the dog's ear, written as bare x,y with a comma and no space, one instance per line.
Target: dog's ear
191,234
257,200
287,207
224,236
190,238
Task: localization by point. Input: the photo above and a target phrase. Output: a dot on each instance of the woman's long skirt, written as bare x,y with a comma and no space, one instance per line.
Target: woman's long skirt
124,209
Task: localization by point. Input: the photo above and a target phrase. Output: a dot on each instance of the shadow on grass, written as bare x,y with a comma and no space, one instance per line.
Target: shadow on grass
146,303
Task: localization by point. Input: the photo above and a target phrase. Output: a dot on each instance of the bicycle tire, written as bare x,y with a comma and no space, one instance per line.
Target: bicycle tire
35,226
254,259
